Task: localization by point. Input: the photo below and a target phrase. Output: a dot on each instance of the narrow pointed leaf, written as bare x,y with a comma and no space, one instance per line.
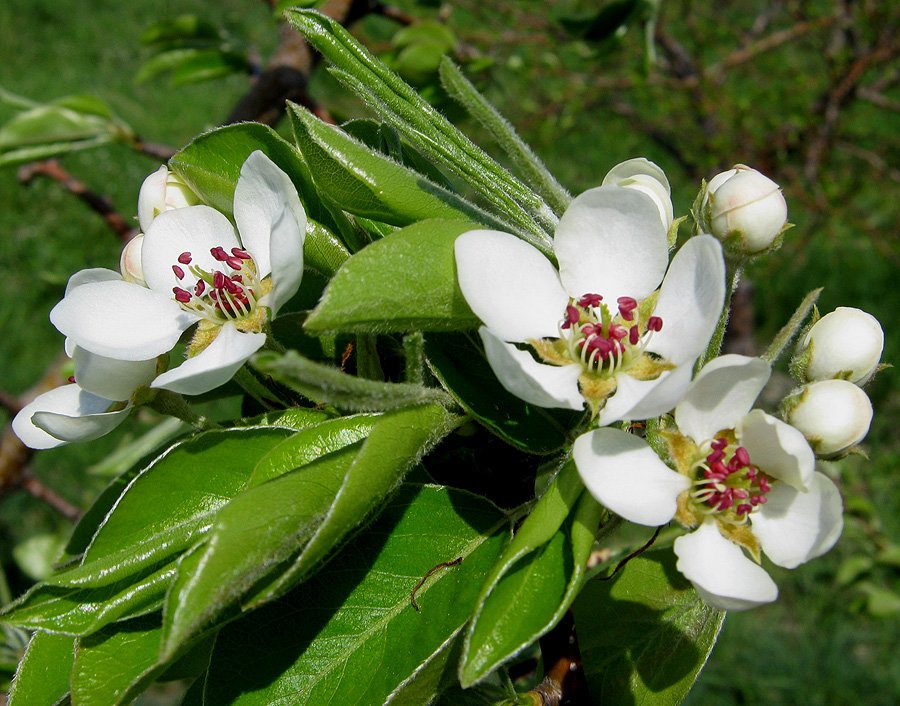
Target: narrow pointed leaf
42,678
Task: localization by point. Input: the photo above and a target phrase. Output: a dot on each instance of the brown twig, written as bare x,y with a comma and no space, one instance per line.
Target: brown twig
564,681
37,489
443,565
102,205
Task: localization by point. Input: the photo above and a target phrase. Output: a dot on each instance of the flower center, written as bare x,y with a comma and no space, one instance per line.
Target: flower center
726,485
226,294
602,342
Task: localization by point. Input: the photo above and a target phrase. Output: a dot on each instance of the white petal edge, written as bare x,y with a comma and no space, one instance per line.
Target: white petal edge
215,365
721,395
262,195
287,259
611,241
536,383
195,230
152,197
643,399
690,300
70,413
121,320
93,274
635,167
777,448
794,526
110,378
721,573
510,285
621,471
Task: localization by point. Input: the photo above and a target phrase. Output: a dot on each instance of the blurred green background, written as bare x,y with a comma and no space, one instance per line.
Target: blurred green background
807,92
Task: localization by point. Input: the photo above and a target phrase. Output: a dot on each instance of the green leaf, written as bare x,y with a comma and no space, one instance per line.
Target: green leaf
192,65
269,538
459,362
211,165
53,124
327,384
645,634
350,635
536,580
421,295
42,678
367,184
181,27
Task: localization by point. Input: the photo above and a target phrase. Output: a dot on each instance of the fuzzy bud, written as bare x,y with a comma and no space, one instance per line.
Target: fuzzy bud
130,261
833,415
745,210
162,191
846,344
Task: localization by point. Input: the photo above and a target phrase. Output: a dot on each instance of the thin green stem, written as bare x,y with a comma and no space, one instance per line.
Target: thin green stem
174,405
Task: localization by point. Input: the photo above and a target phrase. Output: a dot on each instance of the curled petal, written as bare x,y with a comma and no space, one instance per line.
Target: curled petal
638,166
287,259
534,382
152,197
510,285
621,471
213,366
795,526
65,414
611,241
93,274
110,378
721,573
643,399
690,300
269,216
777,449
121,320
721,395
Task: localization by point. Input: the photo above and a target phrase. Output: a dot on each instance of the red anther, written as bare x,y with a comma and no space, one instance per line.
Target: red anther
179,273
237,278
626,306
242,254
218,279
199,289
741,455
741,494
764,485
716,456
618,332
592,330
219,253
185,258
181,295
654,323
761,499
234,263
719,444
590,300
743,509
231,286
634,335
71,378
572,316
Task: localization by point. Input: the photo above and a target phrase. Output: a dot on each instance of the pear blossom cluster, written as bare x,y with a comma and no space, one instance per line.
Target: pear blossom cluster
617,329
190,269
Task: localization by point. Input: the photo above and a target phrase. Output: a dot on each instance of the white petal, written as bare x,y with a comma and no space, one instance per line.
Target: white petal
534,382
510,285
65,414
721,395
287,259
621,471
121,320
610,241
643,399
152,197
690,300
93,274
215,365
721,573
794,526
265,195
636,167
196,230
110,378
777,448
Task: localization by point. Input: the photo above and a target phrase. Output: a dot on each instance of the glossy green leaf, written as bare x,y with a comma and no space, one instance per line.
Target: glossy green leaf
537,578
42,678
459,363
269,538
367,184
350,635
327,384
52,123
422,295
212,162
645,634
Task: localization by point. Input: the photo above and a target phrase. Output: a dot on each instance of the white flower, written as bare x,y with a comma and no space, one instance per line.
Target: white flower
743,479
833,415
595,323
197,269
644,176
846,343
162,191
745,210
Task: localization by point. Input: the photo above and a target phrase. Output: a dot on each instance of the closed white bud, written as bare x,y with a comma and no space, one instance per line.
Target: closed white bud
846,344
745,210
130,261
162,191
644,176
833,415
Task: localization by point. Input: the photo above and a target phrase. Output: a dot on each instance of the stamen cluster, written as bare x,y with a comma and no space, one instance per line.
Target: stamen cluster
728,483
221,295
603,342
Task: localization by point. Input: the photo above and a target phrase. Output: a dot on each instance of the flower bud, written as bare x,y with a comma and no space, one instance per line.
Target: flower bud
162,191
833,415
745,210
644,176
130,261
846,344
